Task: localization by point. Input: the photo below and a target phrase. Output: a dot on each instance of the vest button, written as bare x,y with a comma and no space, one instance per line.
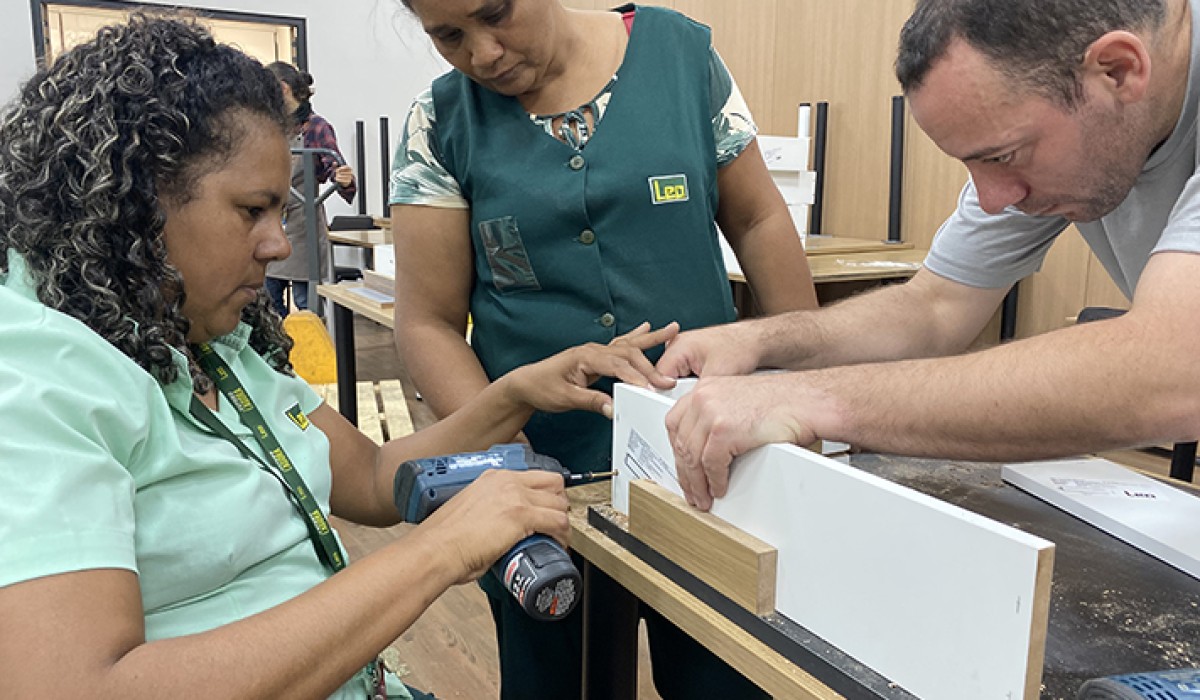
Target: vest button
576,162
607,320
587,237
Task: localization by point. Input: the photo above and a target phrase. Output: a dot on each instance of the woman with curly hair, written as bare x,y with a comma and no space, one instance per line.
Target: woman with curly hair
165,481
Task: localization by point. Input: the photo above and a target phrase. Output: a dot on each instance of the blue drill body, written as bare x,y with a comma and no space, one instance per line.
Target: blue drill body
537,571
1180,684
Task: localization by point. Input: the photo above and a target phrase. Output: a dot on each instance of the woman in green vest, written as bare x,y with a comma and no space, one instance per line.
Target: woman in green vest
562,185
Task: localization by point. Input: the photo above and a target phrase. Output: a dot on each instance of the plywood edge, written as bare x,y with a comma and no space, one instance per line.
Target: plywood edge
379,281
1039,623
737,564
772,671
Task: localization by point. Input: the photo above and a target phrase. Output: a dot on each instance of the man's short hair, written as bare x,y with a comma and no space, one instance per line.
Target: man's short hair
1037,43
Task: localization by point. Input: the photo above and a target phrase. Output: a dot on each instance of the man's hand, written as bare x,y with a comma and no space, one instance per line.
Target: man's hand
710,352
724,417
343,176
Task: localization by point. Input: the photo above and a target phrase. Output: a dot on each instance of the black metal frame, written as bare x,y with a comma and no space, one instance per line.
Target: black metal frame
385,164
820,134
896,171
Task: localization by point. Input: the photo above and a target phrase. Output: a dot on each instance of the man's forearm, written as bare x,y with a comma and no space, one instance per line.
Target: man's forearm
896,322
1077,390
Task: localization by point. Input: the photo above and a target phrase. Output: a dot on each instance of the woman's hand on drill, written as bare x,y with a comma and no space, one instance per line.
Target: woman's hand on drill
497,510
560,382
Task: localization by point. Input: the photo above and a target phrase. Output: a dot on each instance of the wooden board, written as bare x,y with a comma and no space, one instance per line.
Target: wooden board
367,238
740,566
384,283
383,409
770,669
382,300
838,245
342,293
851,267
1148,514
874,568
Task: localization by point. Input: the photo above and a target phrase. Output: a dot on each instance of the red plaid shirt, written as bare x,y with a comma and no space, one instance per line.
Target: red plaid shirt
318,133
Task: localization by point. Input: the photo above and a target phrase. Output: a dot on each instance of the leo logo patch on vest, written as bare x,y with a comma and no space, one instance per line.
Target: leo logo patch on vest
666,189
297,416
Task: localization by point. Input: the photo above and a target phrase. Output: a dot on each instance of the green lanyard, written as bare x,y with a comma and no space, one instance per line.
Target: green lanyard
328,550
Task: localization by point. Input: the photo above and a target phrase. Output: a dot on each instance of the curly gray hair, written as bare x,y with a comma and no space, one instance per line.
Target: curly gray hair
88,150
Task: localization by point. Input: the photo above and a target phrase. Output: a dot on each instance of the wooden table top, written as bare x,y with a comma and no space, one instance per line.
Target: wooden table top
343,293
367,238
866,265
836,245
813,245
831,259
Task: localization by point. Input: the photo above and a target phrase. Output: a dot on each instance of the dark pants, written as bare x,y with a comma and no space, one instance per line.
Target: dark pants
276,286
544,660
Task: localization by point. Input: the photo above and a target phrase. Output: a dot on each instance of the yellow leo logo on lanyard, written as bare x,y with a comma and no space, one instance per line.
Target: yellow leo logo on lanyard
666,189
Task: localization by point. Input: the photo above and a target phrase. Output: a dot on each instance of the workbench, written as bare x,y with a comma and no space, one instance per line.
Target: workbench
1114,609
365,238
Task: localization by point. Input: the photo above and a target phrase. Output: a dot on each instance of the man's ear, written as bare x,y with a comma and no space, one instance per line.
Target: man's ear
1118,64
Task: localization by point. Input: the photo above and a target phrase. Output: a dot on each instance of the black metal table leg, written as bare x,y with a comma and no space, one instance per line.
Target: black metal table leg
347,367
610,641
1183,461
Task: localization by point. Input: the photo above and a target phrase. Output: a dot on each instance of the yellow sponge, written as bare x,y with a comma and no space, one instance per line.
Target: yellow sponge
313,356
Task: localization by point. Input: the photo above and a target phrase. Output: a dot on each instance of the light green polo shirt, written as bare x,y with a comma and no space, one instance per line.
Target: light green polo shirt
101,467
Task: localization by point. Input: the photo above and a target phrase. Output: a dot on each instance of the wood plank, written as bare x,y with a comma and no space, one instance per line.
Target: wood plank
737,647
866,563
851,267
738,565
366,238
395,409
380,282
837,245
890,264
340,293
382,405
368,412
328,393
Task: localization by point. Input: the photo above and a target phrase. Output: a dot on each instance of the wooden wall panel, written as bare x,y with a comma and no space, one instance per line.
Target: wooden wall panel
1071,279
1053,296
932,184
744,34
1101,290
842,52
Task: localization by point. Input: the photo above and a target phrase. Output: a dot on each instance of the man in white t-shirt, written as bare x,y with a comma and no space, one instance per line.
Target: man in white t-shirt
1066,112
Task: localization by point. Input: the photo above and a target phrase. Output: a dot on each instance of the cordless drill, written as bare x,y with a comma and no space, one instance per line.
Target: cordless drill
537,571
1179,684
